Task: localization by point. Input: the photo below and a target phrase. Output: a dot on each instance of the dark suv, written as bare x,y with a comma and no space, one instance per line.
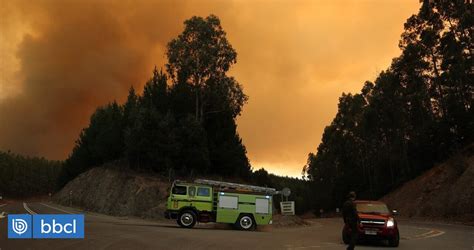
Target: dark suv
376,222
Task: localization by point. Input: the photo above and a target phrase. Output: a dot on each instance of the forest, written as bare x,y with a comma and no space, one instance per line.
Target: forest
22,176
416,113
183,123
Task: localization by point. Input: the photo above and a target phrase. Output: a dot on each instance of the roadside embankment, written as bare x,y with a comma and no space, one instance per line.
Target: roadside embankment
444,193
116,192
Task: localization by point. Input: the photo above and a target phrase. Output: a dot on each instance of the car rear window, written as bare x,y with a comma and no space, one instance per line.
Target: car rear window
180,190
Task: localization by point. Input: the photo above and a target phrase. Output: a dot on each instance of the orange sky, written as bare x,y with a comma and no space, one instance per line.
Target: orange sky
60,59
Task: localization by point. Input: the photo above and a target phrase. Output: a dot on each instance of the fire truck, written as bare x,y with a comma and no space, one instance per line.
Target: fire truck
244,206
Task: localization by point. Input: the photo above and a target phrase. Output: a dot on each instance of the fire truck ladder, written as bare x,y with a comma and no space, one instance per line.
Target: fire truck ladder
236,186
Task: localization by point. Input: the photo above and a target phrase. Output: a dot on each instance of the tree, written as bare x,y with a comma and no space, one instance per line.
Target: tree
102,141
198,60
156,93
130,108
199,55
193,155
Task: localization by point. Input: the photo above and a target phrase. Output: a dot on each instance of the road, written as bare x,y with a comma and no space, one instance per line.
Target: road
107,232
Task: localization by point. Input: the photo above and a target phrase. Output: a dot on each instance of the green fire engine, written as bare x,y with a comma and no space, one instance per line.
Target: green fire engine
244,206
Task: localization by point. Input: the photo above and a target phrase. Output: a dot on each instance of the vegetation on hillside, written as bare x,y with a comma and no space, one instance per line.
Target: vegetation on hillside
301,192
27,176
416,113
184,121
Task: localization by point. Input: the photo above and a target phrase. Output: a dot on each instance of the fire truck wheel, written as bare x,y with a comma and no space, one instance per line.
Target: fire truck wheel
245,222
187,219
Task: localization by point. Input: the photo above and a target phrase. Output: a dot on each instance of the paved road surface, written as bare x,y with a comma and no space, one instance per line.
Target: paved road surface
106,232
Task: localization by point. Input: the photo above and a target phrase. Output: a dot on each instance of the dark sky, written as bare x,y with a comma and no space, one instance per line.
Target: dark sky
59,60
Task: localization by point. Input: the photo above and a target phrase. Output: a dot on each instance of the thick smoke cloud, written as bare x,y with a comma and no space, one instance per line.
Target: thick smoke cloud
61,59
82,54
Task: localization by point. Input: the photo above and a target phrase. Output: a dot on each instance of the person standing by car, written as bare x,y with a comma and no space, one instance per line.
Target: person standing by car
351,218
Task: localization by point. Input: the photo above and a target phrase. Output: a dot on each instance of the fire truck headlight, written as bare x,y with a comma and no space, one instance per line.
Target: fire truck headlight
390,222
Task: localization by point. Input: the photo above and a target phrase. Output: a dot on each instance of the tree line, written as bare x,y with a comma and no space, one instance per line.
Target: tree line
301,192
183,123
416,113
27,176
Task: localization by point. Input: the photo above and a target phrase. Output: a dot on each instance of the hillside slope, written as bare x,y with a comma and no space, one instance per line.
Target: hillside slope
445,191
116,192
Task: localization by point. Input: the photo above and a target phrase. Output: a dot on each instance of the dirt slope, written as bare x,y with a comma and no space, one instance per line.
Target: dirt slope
116,192
445,191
